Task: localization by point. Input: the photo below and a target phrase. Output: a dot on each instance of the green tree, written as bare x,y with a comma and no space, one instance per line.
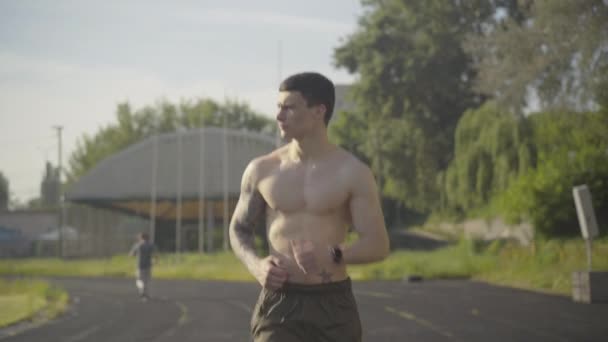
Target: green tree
493,148
131,127
572,149
49,188
4,192
554,51
415,81
349,130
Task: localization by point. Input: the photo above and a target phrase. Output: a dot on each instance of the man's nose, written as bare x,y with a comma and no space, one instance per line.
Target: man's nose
280,114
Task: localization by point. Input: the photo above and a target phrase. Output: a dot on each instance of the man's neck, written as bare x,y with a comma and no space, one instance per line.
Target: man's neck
311,148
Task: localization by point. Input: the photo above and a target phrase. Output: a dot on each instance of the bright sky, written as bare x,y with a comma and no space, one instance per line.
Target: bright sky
69,63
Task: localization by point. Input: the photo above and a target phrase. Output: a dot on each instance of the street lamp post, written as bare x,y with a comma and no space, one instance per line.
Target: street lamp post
201,192
178,215
60,217
153,185
226,172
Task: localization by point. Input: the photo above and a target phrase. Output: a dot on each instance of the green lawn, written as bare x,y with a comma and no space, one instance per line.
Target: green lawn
16,307
29,299
543,266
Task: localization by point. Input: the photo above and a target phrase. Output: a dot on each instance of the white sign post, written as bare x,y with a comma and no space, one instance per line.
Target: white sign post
586,217
588,286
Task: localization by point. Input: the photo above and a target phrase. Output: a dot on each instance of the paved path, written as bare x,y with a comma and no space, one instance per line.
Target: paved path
108,310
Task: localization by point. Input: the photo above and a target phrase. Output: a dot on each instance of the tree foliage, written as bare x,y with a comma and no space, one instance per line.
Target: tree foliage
349,129
131,127
572,150
553,49
492,148
415,81
422,64
4,192
50,189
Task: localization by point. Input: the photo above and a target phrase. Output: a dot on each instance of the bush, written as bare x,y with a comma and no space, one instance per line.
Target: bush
573,150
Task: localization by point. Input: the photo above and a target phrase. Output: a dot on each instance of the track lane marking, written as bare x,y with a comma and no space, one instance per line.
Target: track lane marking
375,294
420,321
182,320
183,314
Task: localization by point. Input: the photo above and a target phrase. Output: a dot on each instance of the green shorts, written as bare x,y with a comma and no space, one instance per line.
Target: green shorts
324,312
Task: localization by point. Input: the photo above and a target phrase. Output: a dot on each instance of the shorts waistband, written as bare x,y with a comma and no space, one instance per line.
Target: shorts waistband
337,286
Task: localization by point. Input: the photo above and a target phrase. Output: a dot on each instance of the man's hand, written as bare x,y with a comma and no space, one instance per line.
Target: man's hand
271,273
303,252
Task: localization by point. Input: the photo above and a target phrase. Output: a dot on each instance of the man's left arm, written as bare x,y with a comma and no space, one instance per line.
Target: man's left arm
368,221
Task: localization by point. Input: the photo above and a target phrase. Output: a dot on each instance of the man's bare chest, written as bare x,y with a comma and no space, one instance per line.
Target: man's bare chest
300,189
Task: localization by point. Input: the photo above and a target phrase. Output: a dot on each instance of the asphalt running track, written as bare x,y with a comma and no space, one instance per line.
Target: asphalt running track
108,310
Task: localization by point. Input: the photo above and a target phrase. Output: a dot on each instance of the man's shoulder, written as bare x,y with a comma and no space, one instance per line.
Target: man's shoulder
266,161
263,165
354,172
351,164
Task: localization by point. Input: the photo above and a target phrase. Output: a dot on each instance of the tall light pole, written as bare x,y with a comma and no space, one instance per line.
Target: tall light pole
153,185
279,76
60,189
201,191
178,214
226,176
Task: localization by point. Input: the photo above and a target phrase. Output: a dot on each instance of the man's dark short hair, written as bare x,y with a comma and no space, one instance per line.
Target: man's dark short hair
315,88
144,236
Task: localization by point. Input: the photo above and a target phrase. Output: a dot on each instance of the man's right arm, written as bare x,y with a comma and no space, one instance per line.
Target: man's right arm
133,251
248,214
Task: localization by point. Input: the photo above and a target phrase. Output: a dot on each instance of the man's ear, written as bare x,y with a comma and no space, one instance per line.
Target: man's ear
320,112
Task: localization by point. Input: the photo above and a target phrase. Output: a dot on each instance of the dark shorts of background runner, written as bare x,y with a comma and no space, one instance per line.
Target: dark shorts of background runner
324,312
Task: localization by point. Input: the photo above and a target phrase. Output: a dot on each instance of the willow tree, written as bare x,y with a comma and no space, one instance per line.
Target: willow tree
493,147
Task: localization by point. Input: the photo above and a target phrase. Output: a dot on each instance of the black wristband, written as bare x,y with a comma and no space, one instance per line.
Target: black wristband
336,254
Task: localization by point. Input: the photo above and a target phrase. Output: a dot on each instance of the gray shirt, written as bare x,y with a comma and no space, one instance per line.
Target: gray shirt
144,251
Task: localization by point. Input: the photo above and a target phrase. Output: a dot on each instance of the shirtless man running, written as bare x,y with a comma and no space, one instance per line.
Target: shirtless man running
309,193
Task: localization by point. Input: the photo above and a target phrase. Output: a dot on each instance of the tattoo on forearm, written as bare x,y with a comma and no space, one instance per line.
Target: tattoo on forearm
325,276
249,213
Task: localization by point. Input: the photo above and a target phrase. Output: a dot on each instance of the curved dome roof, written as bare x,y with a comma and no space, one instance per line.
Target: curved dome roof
127,176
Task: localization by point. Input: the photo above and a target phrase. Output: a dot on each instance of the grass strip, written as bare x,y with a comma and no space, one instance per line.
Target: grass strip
28,299
543,266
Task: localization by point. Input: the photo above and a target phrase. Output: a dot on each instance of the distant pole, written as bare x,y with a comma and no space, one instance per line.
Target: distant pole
59,180
226,176
280,79
279,61
153,185
178,215
201,191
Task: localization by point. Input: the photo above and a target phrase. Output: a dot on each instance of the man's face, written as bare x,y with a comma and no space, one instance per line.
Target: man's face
295,118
